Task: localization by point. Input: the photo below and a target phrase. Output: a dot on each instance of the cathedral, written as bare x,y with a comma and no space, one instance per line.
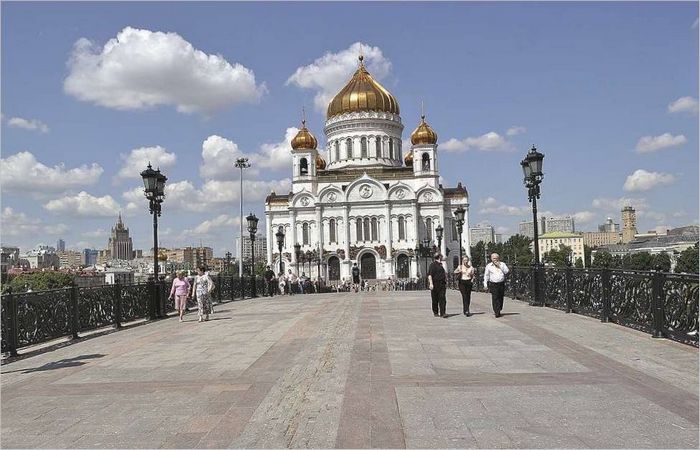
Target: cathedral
365,202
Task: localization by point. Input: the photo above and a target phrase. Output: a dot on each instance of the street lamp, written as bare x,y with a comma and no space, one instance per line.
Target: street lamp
297,251
425,253
280,243
532,177
241,163
228,262
252,229
438,234
154,189
459,220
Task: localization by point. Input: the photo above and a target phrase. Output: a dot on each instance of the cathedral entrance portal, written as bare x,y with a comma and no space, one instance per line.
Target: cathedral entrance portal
333,268
402,266
368,267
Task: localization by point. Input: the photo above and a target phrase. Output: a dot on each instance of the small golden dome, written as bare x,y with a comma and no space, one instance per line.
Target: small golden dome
408,159
304,139
362,93
423,134
320,163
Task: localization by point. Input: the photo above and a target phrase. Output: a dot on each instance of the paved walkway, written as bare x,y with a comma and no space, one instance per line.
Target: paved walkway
352,370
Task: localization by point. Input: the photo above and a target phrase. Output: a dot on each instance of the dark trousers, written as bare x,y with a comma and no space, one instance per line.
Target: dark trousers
465,288
497,291
438,296
271,288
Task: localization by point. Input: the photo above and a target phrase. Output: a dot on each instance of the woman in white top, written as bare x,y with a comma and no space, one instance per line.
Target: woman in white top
203,285
466,278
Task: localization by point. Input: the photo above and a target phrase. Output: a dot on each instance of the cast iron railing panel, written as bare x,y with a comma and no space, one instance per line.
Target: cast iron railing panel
43,315
631,299
680,319
135,301
554,285
95,306
587,292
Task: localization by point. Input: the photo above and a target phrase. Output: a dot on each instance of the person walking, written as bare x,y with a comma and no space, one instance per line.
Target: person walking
203,285
437,283
281,282
466,278
291,282
495,281
355,277
180,290
270,282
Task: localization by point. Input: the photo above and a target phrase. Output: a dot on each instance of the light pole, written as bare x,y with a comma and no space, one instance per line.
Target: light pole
241,163
459,219
252,229
532,172
425,253
297,251
154,189
280,243
228,263
438,234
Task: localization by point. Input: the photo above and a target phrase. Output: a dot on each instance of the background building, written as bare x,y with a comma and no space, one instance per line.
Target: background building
119,244
70,258
526,229
554,239
188,257
42,257
609,226
90,256
498,238
598,238
260,245
629,224
9,258
558,224
481,233
61,245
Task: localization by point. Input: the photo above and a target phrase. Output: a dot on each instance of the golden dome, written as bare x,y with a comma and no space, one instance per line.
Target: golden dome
304,139
408,159
423,134
320,163
362,93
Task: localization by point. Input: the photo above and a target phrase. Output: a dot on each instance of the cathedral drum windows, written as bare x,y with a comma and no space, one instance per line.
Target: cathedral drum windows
378,146
337,151
303,167
391,148
348,148
425,162
367,229
363,148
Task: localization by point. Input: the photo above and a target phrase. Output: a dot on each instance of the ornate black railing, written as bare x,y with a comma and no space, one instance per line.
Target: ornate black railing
31,318
662,304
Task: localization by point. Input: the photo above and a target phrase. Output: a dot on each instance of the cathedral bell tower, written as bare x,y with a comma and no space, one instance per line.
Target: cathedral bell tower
305,158
423,154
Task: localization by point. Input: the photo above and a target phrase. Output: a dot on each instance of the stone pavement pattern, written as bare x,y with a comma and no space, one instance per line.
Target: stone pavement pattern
358,370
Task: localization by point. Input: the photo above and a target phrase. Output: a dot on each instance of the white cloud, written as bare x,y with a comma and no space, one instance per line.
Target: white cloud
218,158
648,144
15,223
502,230
22,172
329,73
616,204
84,205
641,180
492,206
684,104
221,222
98,233
584,217
137,160
276,156
515,130
28,124
490,141
142,69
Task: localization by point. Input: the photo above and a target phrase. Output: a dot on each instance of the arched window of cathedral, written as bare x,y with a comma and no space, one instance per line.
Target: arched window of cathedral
429,228
305,234
363,147
331,231
358,229
366,229
378,149
391,148
303,167
426,162
337,150
402,228
375,229
348,147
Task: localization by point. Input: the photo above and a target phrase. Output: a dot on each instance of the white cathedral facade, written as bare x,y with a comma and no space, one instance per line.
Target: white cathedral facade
369,204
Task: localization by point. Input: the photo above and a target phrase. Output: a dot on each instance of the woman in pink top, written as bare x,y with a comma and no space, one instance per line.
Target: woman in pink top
180,289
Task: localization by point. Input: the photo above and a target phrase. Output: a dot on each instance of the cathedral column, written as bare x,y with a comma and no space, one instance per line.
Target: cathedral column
416,236
346,261
290,244
388,239
319,234
445,231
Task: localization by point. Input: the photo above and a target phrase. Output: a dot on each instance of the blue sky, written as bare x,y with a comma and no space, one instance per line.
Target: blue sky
608,91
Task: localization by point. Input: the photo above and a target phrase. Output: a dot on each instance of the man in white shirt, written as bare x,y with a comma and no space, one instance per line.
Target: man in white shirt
495,281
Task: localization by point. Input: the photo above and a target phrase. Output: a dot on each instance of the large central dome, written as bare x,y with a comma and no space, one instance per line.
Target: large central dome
362,93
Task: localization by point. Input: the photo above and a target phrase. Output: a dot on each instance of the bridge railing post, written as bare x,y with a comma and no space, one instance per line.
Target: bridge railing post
657,301
75,319
14,323
605,288
117,305
569,289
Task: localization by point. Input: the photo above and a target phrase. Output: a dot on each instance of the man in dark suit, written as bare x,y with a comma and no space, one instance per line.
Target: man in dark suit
437,282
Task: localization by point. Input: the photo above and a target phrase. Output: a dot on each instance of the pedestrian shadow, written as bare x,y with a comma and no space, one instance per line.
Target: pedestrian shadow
510,314
476,313
60,364
447,316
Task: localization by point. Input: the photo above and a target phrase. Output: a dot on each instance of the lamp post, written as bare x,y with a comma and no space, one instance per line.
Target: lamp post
459,219
228,262
154,189
297,251
438,234
241,163
425,253
252,229
532,177
280,243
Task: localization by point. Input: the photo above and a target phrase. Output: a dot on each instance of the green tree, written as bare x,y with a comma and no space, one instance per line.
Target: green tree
579,263
40,281
663,262
587,255
638,261
516,250
602,259
558,257
477,251
688,260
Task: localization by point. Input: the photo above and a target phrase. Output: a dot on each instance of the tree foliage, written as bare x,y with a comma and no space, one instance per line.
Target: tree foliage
40,281
558,257
688,260
514,252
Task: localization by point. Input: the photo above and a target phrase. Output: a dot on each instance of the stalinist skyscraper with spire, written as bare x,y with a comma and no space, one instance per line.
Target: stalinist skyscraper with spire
119,244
